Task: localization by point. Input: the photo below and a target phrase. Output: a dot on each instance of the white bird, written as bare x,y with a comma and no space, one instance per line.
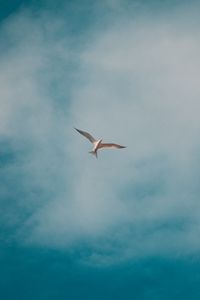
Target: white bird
97,144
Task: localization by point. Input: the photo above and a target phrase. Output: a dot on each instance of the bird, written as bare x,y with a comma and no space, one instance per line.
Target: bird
97,144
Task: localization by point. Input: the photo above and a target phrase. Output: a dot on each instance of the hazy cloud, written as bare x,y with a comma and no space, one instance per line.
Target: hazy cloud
135,82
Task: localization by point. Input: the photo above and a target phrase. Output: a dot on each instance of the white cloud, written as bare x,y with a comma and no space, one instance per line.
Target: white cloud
137,84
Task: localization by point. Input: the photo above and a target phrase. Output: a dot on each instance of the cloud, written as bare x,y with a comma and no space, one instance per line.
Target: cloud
136,83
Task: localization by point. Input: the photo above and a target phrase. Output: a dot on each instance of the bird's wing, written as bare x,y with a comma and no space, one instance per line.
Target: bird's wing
110,145
87,135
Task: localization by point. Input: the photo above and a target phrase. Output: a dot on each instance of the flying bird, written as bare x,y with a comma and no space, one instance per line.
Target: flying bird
97,144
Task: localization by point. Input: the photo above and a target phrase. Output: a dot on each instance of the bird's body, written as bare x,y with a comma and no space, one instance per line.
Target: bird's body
97,144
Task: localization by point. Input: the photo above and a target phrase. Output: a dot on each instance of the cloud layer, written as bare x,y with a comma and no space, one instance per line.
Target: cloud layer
135,82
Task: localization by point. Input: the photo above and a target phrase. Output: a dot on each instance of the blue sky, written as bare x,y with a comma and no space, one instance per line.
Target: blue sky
125,226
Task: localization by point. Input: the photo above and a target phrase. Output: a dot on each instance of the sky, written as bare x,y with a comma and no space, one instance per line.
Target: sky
125,226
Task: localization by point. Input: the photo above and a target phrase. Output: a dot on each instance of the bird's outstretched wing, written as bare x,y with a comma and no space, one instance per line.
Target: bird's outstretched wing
87,135
110,145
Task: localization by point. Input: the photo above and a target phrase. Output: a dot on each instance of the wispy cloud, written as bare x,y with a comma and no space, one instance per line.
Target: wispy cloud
135,82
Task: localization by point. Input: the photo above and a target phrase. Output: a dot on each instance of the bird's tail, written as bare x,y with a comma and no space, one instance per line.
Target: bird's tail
94,153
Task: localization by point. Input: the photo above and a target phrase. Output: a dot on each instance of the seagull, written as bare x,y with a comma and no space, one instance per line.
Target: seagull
97,144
